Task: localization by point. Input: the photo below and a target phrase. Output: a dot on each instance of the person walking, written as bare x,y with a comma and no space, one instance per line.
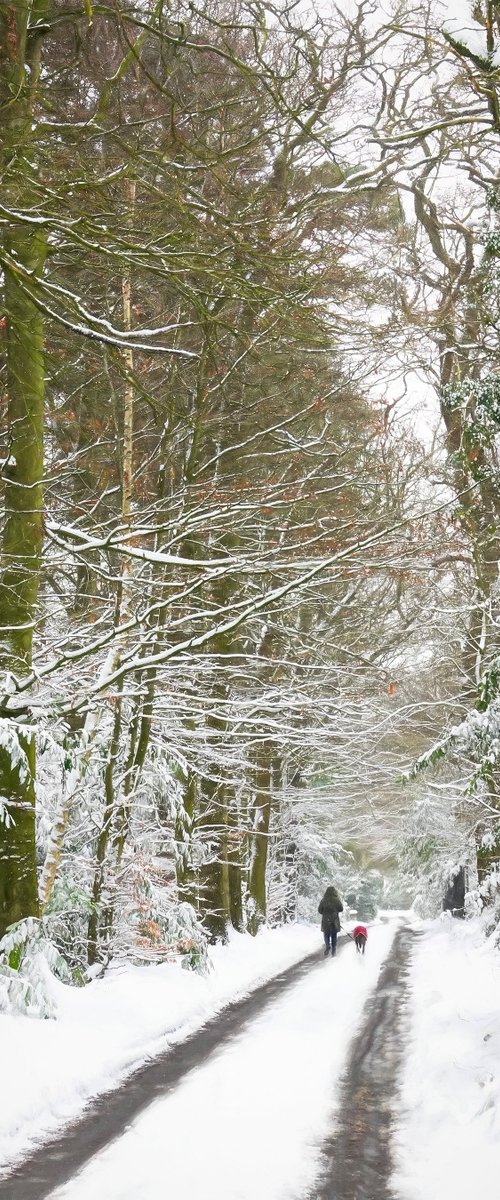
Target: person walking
329,908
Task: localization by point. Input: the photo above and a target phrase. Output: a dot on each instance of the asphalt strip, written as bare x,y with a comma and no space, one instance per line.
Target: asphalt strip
357,1160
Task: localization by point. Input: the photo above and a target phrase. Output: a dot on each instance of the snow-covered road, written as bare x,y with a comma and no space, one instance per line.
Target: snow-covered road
251,1122
287,1094
105,1031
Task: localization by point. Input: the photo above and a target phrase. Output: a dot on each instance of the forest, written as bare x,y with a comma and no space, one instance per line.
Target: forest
250,470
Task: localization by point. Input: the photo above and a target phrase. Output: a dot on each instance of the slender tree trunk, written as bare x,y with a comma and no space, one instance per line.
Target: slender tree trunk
140,732
186,884
103,840
18,876
128,398
262,809
235,881
116,806
213,876
82,752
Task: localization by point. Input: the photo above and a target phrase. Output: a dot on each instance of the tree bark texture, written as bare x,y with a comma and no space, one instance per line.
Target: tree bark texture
24,249
257,876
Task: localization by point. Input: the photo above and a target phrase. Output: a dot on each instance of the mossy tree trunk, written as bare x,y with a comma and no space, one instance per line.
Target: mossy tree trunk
185,876
262,816
213,878
235,874
24,249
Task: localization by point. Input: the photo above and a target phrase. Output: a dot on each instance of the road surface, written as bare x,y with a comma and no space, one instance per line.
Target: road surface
351,1158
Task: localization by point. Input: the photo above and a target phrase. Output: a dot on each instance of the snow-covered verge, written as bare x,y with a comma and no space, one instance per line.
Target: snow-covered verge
448,1139
105,1030
251,1122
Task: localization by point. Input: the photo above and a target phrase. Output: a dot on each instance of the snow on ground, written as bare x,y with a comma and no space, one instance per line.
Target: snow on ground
105,1030
251,1122
448,1140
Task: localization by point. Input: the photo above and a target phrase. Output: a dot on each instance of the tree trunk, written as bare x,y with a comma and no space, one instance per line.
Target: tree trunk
235,881
103,840
186,885
24,248
262,805
18,877
213,877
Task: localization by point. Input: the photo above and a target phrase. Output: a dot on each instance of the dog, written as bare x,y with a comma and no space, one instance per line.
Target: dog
360,936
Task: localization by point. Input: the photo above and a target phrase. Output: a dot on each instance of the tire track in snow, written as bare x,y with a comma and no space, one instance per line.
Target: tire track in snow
106,1118
357,1155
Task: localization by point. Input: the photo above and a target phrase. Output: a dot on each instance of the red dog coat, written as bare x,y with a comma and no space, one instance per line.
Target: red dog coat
359,930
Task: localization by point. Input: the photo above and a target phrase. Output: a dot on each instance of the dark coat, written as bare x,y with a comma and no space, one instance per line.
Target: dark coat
330,907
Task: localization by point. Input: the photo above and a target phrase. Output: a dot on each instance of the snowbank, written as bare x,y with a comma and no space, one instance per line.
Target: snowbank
105,1030
448,1139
